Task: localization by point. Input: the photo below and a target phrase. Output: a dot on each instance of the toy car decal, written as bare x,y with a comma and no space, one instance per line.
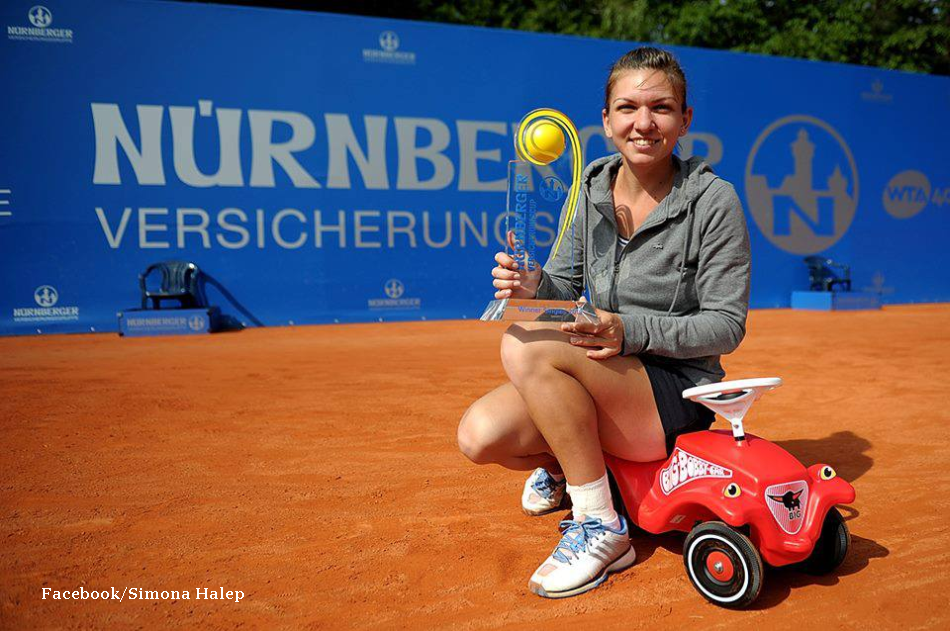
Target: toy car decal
787,502
684,467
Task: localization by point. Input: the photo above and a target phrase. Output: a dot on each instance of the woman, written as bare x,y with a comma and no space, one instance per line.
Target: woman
665,259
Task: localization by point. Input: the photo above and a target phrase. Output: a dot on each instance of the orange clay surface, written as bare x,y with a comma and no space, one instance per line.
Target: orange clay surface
315,469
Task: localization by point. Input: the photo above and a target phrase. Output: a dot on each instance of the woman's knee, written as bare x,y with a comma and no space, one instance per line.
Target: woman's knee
526,349
473,437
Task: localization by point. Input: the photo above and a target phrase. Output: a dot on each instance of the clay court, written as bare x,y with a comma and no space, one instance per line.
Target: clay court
315,469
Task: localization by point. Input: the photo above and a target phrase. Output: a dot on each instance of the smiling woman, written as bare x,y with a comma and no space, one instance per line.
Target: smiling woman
645,114
664,255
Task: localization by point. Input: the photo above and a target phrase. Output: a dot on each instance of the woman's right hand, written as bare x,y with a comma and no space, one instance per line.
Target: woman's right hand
512,282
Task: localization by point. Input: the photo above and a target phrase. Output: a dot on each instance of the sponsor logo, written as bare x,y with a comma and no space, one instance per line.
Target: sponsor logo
46,297
877,93
801,183
788,502
877,285
40,18
909,192
906,194
394,290
388,51
196,323
388,41
160,322
552,189
684,467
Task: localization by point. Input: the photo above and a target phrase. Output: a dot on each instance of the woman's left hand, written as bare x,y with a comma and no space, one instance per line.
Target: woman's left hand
604,338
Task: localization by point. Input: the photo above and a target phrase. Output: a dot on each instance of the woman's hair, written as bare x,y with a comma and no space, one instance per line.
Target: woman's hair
647,58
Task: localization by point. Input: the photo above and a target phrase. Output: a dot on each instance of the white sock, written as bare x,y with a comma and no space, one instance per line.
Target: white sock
593,500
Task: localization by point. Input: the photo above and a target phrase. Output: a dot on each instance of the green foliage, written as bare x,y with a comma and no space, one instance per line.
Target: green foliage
899,34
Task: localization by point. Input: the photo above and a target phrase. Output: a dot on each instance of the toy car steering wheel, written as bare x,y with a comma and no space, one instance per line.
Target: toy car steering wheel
732,399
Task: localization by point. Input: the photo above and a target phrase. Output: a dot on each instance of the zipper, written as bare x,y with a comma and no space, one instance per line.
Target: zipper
614,298
613,288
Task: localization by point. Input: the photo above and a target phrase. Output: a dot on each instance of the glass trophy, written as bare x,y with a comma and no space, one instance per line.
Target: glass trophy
536,183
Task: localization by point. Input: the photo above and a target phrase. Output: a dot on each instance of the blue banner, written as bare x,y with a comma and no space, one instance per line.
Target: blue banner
324,168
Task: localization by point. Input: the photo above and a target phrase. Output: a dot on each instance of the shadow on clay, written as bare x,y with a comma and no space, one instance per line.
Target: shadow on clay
845,451
779,582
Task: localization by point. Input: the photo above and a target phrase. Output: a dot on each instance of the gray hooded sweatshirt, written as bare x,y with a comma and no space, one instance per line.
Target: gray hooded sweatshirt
682,317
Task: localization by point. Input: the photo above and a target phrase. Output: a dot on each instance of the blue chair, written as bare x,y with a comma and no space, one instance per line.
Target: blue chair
824,274
180,281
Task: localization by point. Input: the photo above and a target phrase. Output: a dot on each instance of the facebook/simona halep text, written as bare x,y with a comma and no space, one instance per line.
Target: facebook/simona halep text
137,593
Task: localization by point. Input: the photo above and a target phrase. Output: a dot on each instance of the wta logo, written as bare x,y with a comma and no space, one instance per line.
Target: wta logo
801,183
909,192
684,467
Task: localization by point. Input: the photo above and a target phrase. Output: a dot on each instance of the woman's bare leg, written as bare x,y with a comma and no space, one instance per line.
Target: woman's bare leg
498,429
582,406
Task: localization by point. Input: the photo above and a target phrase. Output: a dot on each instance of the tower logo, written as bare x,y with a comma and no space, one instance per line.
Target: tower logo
40,28
801,183
46,296
394,288
388,51
552,189
388,41
40,17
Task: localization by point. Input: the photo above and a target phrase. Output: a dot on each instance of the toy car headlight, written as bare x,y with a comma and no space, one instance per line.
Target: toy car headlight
826,473
732,491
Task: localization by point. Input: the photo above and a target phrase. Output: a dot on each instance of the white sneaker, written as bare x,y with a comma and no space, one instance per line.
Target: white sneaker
587,554
542,493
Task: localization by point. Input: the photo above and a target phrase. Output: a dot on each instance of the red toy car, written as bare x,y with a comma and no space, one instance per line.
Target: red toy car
741,498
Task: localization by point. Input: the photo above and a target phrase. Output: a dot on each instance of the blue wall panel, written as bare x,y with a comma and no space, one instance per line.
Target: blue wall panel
329,168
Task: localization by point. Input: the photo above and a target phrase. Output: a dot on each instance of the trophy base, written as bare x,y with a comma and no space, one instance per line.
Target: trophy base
520,310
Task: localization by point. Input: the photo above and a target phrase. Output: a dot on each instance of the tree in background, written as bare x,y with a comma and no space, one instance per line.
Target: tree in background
899,34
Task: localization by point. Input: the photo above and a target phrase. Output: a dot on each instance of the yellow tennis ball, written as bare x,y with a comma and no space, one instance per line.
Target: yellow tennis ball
544,141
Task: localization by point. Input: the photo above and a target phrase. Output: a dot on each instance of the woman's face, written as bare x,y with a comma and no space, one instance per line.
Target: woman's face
645,117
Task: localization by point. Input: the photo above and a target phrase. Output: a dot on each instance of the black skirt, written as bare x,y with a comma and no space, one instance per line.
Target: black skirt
678,415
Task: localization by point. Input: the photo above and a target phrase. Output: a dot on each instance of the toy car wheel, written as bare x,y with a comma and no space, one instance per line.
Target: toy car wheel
723,565
832,545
